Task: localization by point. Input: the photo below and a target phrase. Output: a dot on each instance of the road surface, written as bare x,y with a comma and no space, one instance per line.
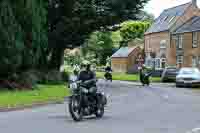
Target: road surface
161,108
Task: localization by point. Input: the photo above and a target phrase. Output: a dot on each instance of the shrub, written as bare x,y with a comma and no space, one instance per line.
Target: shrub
65,76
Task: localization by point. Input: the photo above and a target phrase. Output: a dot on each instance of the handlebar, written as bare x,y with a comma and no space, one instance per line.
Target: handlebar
85,82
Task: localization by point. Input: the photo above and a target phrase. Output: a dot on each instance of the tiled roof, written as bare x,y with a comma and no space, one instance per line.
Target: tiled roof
167,17
123,52
190,26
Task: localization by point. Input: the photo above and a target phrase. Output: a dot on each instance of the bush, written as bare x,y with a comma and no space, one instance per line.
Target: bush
29,79
20,81
65,76
53,77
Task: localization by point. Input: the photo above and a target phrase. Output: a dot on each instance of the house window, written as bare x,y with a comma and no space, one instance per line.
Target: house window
199,60
179,59
194,39
163,44
179,41
194,61
157,63
163,62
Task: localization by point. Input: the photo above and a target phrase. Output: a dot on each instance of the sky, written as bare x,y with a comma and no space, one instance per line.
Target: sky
157,6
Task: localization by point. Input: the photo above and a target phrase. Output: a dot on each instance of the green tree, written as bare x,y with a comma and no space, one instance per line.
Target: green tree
72,21
99,46
23,40
131,30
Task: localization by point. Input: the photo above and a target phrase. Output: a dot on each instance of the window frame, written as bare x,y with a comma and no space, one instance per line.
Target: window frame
194,39
163,44
195,61
172,18
180,41
179,59
199,60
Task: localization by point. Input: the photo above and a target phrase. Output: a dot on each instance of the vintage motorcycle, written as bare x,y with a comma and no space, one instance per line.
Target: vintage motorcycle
82,103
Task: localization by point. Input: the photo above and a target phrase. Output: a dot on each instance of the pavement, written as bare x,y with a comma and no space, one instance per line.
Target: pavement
160,108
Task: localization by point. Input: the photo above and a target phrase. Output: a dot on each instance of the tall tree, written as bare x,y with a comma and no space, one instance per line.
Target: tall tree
99,46
72,21
23,40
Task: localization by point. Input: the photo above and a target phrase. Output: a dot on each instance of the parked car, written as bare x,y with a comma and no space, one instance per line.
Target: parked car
188,77
156,73
169,74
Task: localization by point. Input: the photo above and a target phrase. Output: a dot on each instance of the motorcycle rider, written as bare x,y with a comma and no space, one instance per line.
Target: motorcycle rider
144,74
87,75
108,68
89,81
108,71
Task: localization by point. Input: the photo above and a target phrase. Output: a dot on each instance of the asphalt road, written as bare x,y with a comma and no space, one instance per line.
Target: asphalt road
132,109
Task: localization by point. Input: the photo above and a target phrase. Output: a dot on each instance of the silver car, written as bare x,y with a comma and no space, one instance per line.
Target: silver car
188,77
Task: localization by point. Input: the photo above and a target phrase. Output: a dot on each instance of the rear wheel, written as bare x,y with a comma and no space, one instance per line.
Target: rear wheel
75,108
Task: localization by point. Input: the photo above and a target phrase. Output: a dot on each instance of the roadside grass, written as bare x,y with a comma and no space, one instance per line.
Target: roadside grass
119,76
41,94
126,77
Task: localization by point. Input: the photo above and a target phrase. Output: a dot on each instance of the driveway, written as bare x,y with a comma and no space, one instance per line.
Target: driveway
161,108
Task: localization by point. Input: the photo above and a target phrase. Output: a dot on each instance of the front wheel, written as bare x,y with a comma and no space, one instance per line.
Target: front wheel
100,111
100,107
75,108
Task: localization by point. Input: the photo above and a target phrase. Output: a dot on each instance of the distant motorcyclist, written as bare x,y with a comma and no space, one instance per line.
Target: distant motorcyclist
108,72
144,75
108,68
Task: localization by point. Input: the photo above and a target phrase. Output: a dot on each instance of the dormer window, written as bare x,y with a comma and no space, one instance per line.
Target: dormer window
172,18
165,18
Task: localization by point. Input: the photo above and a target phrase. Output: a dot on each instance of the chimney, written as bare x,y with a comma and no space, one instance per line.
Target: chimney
194,3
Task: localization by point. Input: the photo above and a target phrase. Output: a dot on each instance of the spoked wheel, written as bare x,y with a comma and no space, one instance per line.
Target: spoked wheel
100,110
75,109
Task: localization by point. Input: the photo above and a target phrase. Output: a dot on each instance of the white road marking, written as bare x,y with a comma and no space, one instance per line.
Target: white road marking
195,130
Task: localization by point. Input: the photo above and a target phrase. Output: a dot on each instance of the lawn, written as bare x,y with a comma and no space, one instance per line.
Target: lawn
43,93
125,77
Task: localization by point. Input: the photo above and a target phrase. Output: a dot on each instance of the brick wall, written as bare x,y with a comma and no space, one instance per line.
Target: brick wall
132,57
172,53
152,44
189,51
152,41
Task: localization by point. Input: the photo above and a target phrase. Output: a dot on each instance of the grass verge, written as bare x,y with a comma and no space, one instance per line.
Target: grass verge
43,93
126,77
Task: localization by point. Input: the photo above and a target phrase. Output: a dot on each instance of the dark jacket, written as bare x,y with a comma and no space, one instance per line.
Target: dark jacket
87,75
108,69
